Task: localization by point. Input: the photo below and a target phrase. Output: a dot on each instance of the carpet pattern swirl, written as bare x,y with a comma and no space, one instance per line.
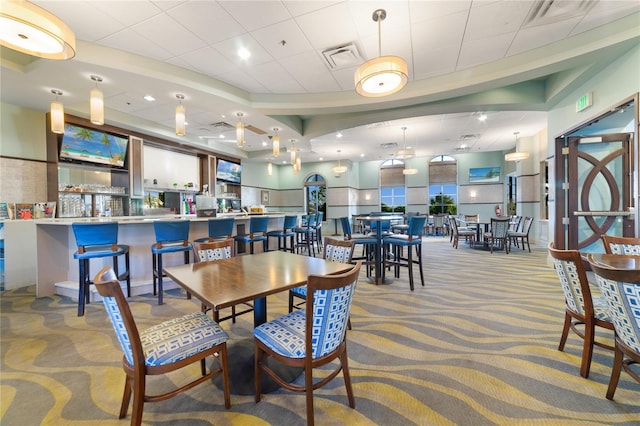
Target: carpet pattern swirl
477,345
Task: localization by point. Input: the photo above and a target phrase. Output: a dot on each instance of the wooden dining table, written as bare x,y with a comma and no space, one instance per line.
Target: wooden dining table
627,262
228,282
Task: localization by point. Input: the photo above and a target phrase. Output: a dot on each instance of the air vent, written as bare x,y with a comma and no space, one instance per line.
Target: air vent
222,126
340,57
547,11
255,129
461,149
388,145
469,137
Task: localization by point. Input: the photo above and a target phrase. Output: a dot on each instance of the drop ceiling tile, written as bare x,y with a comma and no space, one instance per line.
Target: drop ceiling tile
328,27
208,20
229,48
437,33
130,41
496,18
435,10
169,34
542,35
271,38
476,52
253,15
209,61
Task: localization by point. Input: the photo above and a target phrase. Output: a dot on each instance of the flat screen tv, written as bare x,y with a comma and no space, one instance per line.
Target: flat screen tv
84,145
228,171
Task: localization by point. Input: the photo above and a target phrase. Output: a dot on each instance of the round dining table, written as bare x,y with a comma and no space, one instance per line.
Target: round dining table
628,262
377,279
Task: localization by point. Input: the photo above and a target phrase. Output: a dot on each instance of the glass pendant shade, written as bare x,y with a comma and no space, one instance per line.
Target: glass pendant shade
240,131
96,107
516,156
269,169
180,120
293,154
276,145
33,30
57,117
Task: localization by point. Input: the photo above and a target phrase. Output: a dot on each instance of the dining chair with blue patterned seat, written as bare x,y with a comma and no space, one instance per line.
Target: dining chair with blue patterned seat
172,236
310,338
621,290
162,348
396,243
583,311
621,245
94,241
210,252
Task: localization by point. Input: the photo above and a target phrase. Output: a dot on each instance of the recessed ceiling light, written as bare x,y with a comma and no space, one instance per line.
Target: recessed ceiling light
264,143
149,98
221,136
338,135
284,161
362,155
320,159
244,53
482,117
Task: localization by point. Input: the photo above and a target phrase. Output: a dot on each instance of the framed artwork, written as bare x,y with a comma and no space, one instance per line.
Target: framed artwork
5,212
264,197
24,211
484,175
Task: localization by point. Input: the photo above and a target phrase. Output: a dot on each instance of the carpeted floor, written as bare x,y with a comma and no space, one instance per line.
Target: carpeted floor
476,346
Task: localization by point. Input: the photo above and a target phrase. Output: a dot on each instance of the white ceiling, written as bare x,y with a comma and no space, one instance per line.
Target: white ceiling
465,58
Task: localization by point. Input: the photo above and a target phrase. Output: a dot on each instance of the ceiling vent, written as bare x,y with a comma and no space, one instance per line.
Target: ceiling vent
340,57
547,11
461,149
389,145
255,129
221,126
469,137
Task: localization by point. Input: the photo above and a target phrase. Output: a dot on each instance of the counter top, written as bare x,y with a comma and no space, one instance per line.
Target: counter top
150,219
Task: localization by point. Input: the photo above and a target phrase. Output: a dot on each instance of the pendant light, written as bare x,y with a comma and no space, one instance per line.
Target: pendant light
181,117
276,142
57,114
33,30
404,152
269,169
293,151
298,162
518,155
240,131
339,169
96,103
383,75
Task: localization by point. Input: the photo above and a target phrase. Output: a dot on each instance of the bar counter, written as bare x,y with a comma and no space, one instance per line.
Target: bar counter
55,244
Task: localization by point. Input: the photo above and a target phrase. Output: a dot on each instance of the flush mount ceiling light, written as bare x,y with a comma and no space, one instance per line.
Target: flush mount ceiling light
31,29
339,169
96,103
276,142
518,155
240,131
180,117
383,75
404,152
57,114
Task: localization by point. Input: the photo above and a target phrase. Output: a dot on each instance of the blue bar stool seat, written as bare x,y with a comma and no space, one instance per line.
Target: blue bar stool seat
413,238
285,233
219,230
97,240
257,232
171,237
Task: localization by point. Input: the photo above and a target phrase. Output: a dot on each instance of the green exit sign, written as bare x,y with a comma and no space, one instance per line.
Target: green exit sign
584,102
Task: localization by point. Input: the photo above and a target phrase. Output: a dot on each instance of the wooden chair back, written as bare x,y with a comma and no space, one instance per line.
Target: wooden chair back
338,250
206,251
621,245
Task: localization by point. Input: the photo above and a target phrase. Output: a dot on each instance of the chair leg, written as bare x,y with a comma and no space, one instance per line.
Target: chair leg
159,271
139,389
128,272
224,362
257,362
587,349
419,251
615,372
410,266
308,386
82,284
290,302
154,269
344,361
565,331
126,397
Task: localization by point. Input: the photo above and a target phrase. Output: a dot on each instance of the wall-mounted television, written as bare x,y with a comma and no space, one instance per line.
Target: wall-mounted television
84,145
228,171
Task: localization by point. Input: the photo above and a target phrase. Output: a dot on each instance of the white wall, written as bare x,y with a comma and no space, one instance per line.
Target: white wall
170,167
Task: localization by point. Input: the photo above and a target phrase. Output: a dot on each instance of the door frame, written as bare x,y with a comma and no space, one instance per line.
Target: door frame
561,215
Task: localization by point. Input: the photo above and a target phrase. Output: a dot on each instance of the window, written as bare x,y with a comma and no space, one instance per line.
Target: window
316,194
443,187
392,189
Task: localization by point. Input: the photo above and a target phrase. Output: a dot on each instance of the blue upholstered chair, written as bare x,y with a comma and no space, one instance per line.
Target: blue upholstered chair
257,232
317,230
621,290
335,251
304,235
367,242
219,229
97,240
581,306
397,242
172,236
210,252
287,232
162,348
621,245
310,338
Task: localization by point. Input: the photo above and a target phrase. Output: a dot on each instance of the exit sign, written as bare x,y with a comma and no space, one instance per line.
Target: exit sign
584,102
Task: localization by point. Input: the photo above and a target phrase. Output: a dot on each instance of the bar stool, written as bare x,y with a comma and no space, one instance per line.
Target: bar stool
286,232
257,232
397,242
304,235
219,229
171,237
97,240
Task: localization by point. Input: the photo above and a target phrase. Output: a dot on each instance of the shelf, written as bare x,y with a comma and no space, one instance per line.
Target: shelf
112,194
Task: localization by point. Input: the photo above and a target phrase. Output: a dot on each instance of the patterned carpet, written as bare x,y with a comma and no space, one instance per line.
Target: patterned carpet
476,346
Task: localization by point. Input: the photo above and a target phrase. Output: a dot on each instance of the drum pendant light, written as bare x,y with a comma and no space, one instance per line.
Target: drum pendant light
518,155
383,75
